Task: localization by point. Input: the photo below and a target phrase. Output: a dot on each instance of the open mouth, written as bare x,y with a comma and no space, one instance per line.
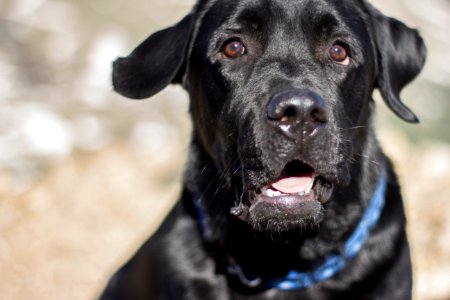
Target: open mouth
297,179
298,182
293,199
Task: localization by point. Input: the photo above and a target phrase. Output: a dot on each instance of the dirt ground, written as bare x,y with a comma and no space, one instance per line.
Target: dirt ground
63,237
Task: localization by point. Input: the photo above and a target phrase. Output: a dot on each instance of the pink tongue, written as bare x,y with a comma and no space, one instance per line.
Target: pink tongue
294,184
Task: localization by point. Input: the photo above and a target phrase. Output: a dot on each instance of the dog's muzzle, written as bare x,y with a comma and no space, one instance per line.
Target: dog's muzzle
296,189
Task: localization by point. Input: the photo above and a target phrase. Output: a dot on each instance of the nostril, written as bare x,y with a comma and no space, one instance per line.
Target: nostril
284,108
318,115
290,112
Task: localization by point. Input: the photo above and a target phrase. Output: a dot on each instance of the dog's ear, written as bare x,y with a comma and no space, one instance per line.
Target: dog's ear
155,63
401,55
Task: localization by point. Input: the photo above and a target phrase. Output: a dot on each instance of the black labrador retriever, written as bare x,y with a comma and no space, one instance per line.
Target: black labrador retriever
287,194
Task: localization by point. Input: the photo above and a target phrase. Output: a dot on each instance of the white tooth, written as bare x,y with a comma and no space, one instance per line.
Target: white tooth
308,190
269,192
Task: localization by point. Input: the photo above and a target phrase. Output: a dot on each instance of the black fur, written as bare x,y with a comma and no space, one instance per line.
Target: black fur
283,106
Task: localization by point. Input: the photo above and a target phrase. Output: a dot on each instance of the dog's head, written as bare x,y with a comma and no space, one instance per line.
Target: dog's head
282,90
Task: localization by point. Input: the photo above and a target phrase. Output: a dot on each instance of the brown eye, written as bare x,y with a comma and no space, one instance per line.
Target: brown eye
339,54
233,49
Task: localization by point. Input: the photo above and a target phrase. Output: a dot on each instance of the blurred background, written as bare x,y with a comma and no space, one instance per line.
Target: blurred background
86,175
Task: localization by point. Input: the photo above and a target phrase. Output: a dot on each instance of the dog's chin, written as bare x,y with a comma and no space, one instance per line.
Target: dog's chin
284,213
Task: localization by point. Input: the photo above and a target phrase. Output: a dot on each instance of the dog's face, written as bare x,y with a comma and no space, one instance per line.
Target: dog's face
280,93
272,85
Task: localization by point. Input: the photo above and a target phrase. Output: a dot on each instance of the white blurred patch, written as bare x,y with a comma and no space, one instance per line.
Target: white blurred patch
96,87
436,160
47,135
33,131
158,141
24,8
91,132
7,78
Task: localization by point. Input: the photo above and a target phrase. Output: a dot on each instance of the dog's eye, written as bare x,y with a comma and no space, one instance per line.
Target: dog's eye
339,54
233,49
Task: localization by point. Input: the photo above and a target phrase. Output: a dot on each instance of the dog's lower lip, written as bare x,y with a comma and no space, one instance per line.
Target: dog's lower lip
287,199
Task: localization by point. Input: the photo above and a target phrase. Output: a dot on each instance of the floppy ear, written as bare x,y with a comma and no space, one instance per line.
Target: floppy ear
155,63
401,55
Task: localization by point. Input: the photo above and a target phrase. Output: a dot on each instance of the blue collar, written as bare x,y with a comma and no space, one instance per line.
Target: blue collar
295,280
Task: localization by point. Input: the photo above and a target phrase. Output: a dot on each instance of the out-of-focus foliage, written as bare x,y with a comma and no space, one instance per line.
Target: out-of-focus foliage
85,174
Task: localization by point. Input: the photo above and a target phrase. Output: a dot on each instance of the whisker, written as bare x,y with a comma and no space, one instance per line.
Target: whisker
352,128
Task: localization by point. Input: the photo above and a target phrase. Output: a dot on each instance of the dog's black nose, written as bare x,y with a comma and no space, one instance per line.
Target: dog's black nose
297,112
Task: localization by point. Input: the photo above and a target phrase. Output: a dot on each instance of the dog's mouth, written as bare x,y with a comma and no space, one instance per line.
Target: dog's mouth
298,182
294,198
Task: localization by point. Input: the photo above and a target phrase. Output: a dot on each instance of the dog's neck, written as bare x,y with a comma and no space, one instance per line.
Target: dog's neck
278,277
272,255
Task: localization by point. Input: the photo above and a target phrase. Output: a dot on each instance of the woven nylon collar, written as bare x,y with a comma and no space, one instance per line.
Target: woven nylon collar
296,280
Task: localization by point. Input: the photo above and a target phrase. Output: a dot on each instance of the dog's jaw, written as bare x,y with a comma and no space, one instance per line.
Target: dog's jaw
294,199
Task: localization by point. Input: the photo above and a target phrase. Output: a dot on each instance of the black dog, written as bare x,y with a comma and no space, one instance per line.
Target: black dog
287,193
